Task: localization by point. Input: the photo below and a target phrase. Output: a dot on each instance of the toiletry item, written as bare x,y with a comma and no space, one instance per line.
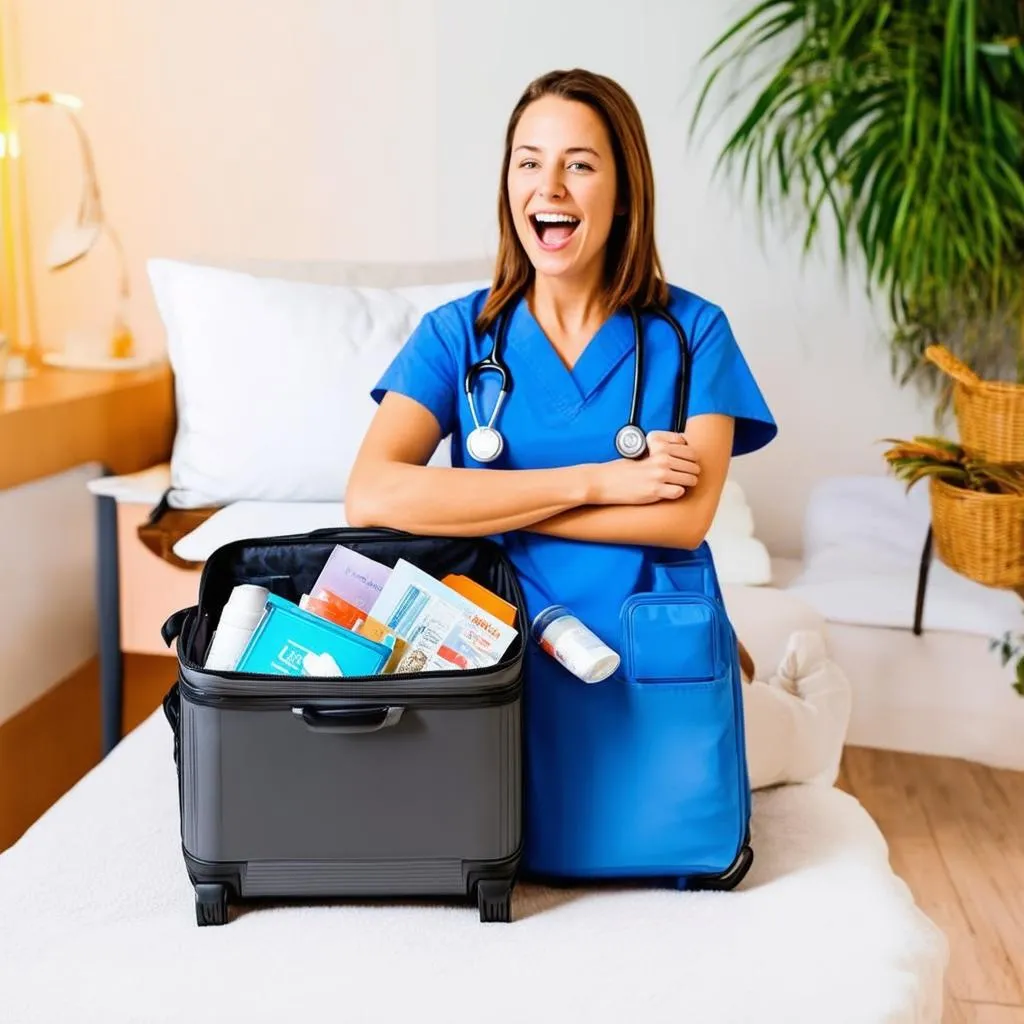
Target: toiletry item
428,613
287,633
238,620
328,605
482,597
374,630
320,665
562,635
353,577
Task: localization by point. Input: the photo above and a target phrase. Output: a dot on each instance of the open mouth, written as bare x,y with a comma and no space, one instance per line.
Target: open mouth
553,230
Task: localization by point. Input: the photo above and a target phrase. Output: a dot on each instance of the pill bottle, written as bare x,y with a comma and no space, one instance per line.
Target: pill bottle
238,621
562,635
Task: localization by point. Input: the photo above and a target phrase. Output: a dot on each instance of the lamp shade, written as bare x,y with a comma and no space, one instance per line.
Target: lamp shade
70,242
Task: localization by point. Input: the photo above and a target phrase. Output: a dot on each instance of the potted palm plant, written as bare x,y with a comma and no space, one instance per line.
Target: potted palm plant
902,125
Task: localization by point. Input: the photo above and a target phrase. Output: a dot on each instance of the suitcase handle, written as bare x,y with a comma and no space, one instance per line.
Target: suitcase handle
348,720
171,629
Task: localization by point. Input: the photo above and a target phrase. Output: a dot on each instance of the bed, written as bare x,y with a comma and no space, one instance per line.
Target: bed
97,919
941,692
97,923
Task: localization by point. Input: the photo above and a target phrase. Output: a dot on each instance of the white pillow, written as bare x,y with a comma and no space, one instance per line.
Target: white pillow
739,556
273,377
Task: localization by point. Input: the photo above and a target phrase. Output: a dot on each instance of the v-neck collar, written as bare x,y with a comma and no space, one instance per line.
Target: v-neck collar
570,388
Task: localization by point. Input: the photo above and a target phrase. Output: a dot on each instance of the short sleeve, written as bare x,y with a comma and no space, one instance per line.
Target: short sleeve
722,382
425,370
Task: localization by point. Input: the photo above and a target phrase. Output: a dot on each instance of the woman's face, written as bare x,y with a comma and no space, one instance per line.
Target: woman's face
562,186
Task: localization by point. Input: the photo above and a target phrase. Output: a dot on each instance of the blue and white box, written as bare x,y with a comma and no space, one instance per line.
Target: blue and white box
287,634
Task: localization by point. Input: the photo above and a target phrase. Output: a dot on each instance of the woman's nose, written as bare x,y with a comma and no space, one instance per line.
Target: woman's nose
552,186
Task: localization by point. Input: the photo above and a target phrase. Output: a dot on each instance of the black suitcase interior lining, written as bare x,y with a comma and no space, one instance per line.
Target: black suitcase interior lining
289,566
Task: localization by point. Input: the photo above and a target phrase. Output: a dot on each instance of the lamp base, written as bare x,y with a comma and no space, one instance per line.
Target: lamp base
16,368
85,361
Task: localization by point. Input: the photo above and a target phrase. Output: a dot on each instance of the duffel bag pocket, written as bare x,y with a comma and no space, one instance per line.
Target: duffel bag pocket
672,638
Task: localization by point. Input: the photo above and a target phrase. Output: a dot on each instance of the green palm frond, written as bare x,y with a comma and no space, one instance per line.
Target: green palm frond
923,457
902,123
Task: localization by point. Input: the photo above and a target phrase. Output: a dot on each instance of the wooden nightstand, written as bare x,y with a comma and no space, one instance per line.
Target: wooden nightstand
59,419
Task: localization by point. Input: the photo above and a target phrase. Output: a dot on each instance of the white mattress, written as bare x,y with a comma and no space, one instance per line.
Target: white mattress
97,924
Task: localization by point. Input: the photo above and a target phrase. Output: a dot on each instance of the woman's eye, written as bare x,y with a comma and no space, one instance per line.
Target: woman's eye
578,165
528,164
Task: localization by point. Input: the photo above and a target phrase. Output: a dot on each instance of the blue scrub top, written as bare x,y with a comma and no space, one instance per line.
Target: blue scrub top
554,416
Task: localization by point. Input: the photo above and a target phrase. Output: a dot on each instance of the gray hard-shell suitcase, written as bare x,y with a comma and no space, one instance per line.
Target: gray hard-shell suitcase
388,786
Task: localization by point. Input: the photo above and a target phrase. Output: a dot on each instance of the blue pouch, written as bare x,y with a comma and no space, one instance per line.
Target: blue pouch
658,759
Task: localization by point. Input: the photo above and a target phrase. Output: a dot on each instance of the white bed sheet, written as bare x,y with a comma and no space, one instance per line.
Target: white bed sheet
97,924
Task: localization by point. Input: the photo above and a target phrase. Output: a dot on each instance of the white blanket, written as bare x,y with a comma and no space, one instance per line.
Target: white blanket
97,924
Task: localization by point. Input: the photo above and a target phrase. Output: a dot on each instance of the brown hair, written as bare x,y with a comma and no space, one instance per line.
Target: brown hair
633,274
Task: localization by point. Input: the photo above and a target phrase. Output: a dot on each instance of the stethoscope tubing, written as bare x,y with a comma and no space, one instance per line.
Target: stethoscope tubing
494,362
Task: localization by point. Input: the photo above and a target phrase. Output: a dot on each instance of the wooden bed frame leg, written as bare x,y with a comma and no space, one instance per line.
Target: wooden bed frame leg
109,614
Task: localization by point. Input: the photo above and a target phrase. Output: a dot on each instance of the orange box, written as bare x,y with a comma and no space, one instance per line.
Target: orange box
482,597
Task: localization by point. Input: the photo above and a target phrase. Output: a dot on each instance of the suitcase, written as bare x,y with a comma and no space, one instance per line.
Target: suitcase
398,786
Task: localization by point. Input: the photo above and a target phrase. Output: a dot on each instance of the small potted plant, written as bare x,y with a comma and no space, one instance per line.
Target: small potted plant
977,507
977,519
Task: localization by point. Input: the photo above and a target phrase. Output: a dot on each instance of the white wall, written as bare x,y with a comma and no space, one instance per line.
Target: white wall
359,130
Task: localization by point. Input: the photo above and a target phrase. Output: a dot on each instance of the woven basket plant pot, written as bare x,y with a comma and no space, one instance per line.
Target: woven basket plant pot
980,536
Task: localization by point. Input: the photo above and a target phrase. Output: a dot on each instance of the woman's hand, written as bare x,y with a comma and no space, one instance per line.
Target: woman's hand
666,472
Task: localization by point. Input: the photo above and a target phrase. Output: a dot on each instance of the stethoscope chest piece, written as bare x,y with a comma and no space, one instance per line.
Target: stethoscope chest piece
630,442
484,443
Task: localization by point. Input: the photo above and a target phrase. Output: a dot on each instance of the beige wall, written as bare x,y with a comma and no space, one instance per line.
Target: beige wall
230,128
372,130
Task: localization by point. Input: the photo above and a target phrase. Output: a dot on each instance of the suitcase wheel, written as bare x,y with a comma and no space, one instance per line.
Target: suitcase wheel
211,904
494,900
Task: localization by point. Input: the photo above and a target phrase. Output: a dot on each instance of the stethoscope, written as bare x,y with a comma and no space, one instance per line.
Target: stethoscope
485,442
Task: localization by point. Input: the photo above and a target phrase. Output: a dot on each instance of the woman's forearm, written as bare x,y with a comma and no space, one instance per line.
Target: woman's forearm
671,524
442,501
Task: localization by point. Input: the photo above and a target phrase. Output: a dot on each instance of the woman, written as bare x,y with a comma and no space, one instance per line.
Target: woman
583,526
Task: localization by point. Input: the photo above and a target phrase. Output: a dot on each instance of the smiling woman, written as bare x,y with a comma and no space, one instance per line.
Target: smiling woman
547,363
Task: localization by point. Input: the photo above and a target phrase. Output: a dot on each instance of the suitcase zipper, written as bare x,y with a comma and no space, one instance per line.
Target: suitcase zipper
364,696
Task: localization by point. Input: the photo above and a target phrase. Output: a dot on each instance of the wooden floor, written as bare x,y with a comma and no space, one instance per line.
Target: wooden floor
955,830
956,836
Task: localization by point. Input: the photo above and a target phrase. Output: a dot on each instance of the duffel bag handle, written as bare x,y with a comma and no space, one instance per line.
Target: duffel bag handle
348,720
172,628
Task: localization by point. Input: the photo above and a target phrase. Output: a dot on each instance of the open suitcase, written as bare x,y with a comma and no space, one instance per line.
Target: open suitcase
388,786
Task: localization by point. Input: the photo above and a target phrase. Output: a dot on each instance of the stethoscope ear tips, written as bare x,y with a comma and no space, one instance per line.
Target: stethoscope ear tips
630,442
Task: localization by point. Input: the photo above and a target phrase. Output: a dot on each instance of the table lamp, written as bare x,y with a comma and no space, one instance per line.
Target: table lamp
76,237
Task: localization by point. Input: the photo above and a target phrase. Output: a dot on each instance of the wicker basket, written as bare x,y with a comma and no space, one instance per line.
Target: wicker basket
989,413
978,535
